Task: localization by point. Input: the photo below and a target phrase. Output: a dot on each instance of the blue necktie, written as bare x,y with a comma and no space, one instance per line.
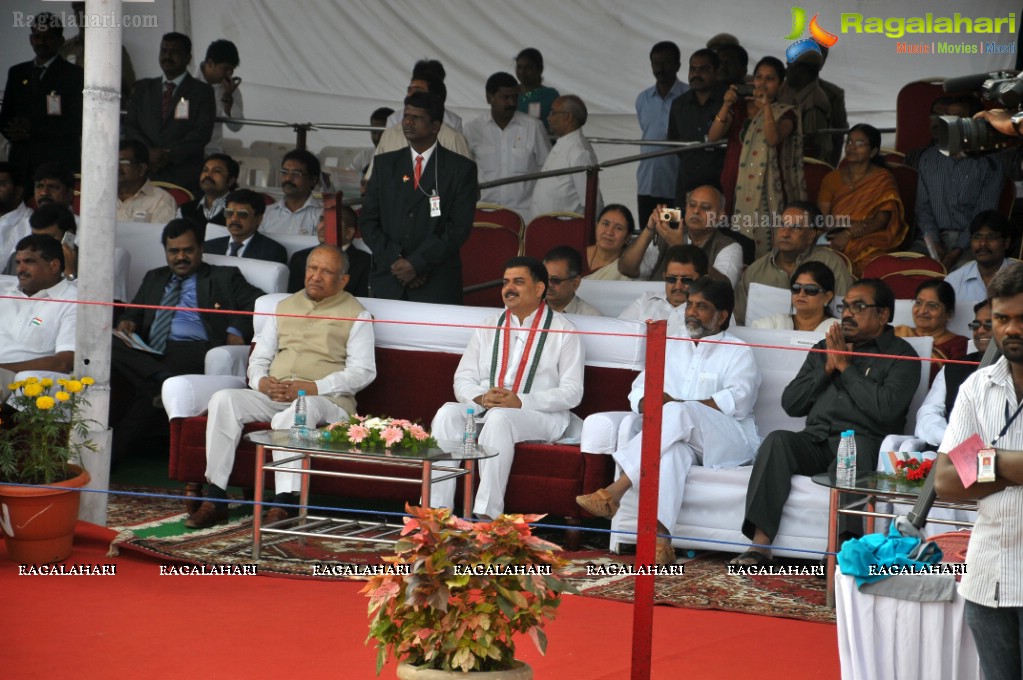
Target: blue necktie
161,328
235,247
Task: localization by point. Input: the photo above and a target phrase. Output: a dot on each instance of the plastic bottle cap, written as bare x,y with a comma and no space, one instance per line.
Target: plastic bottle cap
470,411
301,393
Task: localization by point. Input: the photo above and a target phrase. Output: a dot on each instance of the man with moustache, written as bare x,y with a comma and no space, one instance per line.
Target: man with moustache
244,213
37,334
868,394
685,266
707,411
990,237
172,114
298,211
655,177
506,142
564,266
987,406
53,182
178,338
138,199
704,210
329,359
218,177
519,379
418,210
689,120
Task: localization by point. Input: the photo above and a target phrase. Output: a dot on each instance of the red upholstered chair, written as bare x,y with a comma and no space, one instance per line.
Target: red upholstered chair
903,272
483,256
556,229
491,213
181,194
904,284
814,170
912,113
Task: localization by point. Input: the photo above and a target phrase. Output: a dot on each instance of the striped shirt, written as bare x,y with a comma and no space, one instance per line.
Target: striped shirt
950,191
994,577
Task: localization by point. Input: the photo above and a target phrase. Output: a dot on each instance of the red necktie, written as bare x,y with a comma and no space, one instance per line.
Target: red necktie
419,171
168,100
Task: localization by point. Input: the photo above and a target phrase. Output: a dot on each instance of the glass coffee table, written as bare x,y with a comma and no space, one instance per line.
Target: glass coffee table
871,487
334,527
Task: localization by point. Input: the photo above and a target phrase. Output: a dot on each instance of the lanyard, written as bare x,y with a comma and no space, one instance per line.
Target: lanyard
1009,420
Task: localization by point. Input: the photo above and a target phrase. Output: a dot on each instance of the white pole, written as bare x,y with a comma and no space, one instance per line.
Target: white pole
101,122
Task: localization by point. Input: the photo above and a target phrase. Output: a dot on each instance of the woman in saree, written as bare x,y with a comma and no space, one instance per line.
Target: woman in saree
933,307
614,225
863,194
764,162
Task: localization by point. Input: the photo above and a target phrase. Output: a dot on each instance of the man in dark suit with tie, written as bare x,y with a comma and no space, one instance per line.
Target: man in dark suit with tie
359,261
179,338
42,104
173,115
243,214
418,211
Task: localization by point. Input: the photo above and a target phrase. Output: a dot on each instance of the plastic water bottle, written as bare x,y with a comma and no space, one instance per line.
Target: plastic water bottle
469,434
299,428
845,465
850,465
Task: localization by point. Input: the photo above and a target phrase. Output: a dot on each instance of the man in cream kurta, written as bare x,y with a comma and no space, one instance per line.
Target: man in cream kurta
329,359
525,394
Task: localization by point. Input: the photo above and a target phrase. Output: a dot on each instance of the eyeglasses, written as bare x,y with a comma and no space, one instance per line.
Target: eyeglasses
293,173
686,280
986,238
855,307
858,143
929,305
557,280
811,289
231,212
974,325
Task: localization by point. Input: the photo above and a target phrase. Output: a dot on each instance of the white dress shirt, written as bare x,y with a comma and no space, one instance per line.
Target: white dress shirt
216,143
14,226
520,148
150,204
966,281
33,328
580,306
655,307
279,219
565,193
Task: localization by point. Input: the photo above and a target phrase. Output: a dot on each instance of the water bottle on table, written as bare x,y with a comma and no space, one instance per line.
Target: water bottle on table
845,464
469,434
299,427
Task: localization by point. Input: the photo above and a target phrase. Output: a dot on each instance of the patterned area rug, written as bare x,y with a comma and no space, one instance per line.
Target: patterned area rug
156,527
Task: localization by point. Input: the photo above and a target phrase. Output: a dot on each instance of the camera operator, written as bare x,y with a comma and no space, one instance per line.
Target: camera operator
1003,121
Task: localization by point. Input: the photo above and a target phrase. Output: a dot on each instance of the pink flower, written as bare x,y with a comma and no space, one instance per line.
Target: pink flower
392,435
356,433
419,433
402,423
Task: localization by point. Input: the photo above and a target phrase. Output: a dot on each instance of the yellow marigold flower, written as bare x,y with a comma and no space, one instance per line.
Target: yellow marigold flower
46,382
62,396
31,380
45,403
62,381
33,390
88,381
13,387
74,386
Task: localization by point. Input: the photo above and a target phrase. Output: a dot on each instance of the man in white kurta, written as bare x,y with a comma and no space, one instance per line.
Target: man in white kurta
525,395
506,142
566,193
707,418
329,359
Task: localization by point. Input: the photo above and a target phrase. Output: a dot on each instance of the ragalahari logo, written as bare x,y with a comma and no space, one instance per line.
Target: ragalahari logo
818,37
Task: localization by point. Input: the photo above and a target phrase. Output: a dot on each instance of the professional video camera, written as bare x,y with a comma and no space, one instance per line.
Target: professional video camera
975,135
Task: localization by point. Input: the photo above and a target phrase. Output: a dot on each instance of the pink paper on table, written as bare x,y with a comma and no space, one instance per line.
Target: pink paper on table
964,457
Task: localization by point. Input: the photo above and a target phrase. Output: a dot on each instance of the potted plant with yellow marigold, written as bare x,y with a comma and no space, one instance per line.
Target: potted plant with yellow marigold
41,467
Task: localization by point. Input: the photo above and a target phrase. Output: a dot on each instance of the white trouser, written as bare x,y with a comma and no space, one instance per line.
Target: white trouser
229,411
691,432
502,428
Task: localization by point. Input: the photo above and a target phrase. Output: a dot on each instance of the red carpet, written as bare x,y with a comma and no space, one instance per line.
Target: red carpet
139,624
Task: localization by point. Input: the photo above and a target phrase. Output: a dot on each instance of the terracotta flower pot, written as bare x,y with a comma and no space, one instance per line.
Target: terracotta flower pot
39,524
409,672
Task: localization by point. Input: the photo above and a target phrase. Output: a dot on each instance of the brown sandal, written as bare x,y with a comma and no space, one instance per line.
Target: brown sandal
599,504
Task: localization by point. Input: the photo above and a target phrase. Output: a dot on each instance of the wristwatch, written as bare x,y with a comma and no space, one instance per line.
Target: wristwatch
1016,119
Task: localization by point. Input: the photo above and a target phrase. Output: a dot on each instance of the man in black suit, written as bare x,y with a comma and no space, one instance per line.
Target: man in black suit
42,105
173,115
243,214
359,261
418,211
179,338
219,176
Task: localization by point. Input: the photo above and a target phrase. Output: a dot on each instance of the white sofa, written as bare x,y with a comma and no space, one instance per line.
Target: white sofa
714,501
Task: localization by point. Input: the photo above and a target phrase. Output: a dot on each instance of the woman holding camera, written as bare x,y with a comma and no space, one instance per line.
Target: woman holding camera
863,191
764,161
614,225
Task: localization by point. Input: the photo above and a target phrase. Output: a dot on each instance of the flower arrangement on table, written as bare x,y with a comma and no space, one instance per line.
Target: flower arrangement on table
910,472
37,442
389,434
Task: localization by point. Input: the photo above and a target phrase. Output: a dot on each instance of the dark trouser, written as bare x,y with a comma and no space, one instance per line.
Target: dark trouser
138,378
998,633
783,454
646,204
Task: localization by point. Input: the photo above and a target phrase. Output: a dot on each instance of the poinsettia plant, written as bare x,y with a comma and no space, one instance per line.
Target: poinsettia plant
367,432
46,432
469,588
